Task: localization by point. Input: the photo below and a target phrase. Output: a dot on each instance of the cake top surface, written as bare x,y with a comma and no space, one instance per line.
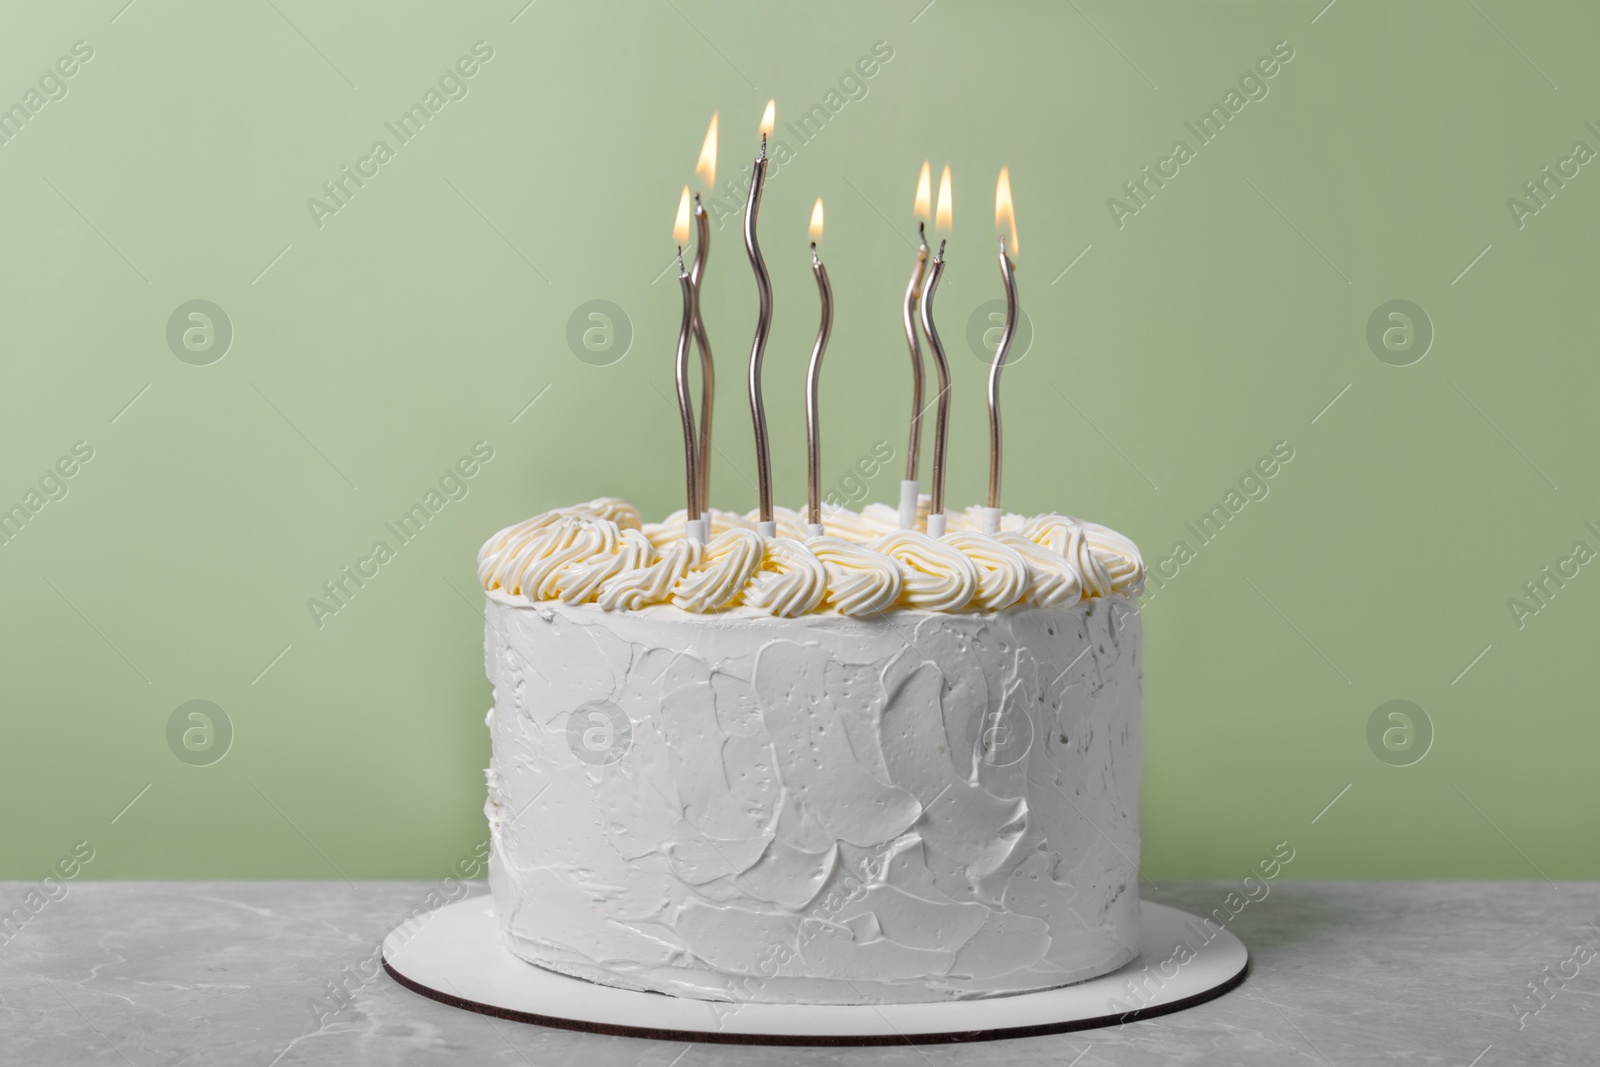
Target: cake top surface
863,564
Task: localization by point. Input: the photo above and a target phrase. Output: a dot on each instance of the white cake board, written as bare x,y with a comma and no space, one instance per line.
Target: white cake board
457,957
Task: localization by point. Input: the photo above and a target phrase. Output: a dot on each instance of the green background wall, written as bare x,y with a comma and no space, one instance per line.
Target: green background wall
370,352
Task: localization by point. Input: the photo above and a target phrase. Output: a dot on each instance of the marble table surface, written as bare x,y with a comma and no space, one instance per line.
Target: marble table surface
177,973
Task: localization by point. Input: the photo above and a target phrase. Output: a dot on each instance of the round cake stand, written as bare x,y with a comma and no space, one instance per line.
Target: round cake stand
457,957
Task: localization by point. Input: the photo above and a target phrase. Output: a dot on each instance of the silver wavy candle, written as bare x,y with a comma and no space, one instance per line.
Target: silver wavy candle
708,374
941,426
910,485
693,530
1008,278
758,347
813,375
1003,214
706,170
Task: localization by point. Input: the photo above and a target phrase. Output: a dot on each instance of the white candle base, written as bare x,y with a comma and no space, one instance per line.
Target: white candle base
698,530
910,492
814,529
991,520
767,529
936,526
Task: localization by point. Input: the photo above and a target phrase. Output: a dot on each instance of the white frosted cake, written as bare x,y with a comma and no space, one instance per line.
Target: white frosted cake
864,767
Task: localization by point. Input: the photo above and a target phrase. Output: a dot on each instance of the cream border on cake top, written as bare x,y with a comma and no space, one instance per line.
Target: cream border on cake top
863,564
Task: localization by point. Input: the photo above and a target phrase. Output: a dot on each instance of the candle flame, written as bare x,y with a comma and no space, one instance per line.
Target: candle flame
680,229
769,118
816,221
941,218
707,167
924,204
1004,213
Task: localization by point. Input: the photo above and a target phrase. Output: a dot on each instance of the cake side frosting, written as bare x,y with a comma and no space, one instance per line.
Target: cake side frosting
921,805
600,552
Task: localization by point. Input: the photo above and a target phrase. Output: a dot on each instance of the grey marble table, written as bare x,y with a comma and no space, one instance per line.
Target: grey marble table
240,972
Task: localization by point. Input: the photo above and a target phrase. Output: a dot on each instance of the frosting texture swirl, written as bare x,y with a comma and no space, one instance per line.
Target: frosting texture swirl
938,577
860,580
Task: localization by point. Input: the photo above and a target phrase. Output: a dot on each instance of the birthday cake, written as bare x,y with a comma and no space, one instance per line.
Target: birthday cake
868,766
